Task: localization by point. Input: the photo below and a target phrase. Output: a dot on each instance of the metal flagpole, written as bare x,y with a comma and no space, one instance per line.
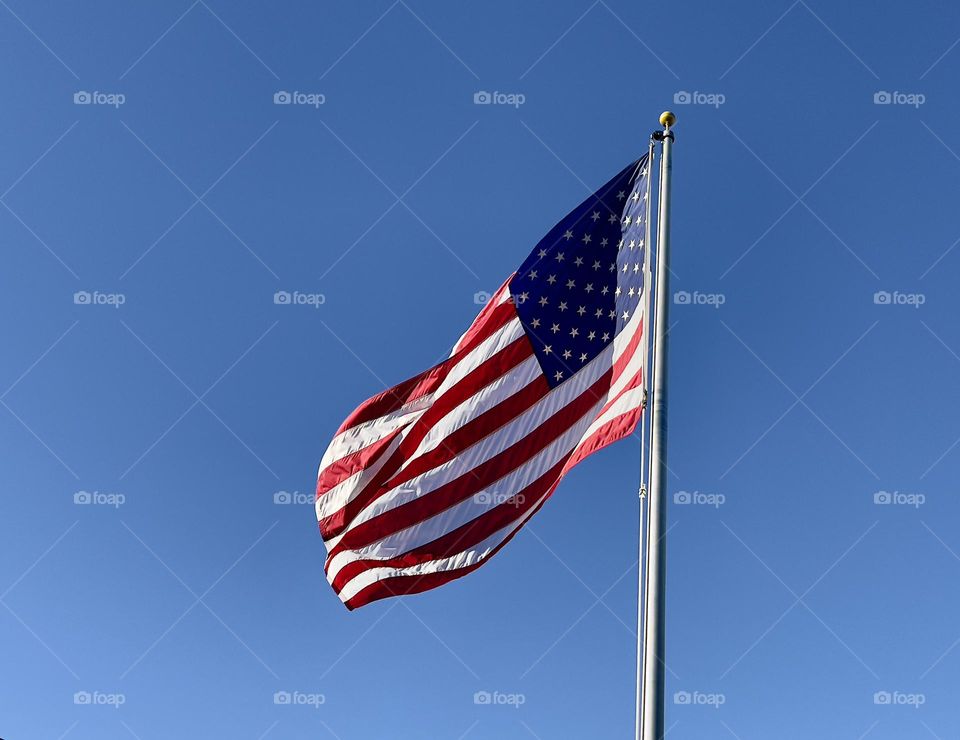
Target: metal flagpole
644,423
654,604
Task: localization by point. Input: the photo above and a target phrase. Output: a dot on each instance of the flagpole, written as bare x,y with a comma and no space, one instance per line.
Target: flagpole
654,695
644,423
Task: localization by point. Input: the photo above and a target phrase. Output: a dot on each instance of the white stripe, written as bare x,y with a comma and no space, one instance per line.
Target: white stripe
492,495
501,389
363,435
629,401
478,552
346,490
484,449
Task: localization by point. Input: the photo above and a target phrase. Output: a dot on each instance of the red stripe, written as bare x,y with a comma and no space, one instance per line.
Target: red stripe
474,431
463,537
392,399
398,585
473,480
339,470
491,369
612,431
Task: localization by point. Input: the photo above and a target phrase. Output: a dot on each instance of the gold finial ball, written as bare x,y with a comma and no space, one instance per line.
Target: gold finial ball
667,118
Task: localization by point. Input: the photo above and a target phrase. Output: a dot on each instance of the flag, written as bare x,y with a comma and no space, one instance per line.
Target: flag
427,480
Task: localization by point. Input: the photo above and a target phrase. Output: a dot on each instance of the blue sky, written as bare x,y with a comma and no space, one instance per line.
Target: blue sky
814,367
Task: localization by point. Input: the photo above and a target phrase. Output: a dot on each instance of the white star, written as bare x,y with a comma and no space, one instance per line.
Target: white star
636,267
627,221
543,300
636,196
599,313
581,311
612,219
574,332
630,292
605,290
617,291
613,314
532,274
596,215
555,328
558,375
559,256
546,349
586,238
592,335
583,357
562,306
589,288
535,323
605,337
522,298
542,253
604,242
633,244
568,235
567,354
578,261
626,315
596,265
552,279
621,195
571,283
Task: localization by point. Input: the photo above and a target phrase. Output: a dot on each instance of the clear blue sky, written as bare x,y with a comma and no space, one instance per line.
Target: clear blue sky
186,593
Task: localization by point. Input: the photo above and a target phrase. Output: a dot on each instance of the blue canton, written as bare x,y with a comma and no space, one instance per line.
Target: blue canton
584,280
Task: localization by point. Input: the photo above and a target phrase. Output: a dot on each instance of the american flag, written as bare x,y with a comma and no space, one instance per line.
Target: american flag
427,480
